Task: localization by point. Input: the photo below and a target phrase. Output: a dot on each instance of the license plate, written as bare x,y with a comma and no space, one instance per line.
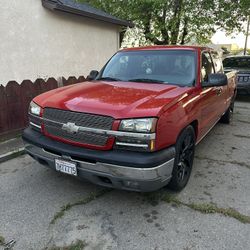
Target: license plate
66,167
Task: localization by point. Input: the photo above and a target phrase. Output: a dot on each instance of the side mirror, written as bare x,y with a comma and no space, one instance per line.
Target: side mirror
92,75
215,80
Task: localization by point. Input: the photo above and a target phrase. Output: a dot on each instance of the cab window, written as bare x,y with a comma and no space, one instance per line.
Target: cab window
217,62
207,67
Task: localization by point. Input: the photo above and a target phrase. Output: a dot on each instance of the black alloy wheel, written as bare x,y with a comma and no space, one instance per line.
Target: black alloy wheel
185,148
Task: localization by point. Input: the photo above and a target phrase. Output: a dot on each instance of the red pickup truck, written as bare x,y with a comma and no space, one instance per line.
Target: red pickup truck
133,125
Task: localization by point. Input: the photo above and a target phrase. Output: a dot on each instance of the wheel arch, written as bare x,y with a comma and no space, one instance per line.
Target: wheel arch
195,124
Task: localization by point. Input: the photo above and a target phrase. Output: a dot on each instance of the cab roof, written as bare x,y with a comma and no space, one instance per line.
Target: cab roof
165,47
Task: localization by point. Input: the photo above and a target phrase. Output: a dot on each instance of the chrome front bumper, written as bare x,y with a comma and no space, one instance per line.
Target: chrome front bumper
110,175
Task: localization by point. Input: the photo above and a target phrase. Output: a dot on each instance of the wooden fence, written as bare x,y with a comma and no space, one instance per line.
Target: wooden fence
15,99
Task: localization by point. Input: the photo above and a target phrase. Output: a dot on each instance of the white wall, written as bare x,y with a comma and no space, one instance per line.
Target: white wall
36,42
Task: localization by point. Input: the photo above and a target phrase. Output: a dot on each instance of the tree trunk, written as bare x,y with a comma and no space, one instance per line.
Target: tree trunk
176,21
121,36
185,31
164,28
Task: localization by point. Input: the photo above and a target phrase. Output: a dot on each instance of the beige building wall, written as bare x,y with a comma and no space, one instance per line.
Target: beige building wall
36,42
230,46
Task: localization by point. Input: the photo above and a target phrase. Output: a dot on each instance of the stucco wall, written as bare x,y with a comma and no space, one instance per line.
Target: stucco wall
35,42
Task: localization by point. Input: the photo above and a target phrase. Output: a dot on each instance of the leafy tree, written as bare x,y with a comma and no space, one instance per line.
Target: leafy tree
178,21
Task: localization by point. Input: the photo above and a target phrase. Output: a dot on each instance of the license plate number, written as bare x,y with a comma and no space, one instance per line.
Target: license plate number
66,167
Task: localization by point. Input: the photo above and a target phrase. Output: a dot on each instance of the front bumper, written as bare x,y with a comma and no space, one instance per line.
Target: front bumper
136,171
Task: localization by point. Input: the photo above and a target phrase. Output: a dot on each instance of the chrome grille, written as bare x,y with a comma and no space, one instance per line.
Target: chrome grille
54,118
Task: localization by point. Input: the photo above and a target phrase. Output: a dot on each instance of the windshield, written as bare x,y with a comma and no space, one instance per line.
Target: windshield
241,62
156,66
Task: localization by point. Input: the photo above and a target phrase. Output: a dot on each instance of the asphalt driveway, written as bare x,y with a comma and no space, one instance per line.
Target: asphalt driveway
43,209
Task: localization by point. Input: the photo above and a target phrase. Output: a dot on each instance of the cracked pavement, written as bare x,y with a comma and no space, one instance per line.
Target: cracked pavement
31,195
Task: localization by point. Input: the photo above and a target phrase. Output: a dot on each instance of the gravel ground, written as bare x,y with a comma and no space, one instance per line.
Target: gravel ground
213,212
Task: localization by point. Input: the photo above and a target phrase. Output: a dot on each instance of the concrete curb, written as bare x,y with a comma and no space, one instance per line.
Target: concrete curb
12,154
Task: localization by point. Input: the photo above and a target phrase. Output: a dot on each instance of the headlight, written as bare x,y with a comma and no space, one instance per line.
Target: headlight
34,109
143,125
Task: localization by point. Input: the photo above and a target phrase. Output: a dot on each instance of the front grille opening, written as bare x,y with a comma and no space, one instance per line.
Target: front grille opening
105,180
55,118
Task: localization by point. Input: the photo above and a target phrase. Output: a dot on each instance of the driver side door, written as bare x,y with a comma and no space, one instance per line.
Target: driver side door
210,96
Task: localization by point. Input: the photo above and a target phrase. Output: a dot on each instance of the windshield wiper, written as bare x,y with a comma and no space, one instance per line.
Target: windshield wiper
146,80
109,79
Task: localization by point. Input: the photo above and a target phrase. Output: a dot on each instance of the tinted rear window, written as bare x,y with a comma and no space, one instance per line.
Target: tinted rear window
237,62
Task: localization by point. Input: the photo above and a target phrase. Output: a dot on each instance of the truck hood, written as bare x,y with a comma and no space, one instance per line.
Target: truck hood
116,99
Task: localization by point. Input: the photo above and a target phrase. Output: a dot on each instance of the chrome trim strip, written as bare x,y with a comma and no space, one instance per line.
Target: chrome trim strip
35,125
132,144
110,132
163,171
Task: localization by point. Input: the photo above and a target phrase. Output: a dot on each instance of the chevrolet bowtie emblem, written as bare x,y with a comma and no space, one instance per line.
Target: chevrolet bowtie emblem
70,127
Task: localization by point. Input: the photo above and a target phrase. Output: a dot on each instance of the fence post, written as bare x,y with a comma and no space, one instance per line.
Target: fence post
4,124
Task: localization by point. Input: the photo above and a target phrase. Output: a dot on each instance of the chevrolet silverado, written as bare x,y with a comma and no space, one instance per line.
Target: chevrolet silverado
135,124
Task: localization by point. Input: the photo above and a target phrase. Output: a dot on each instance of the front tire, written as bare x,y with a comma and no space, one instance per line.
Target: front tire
184,156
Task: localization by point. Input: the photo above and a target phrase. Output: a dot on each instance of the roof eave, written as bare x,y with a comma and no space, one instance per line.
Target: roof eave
55,6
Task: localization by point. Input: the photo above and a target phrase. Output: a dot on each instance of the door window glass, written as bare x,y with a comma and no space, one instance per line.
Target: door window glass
207,67
217,62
